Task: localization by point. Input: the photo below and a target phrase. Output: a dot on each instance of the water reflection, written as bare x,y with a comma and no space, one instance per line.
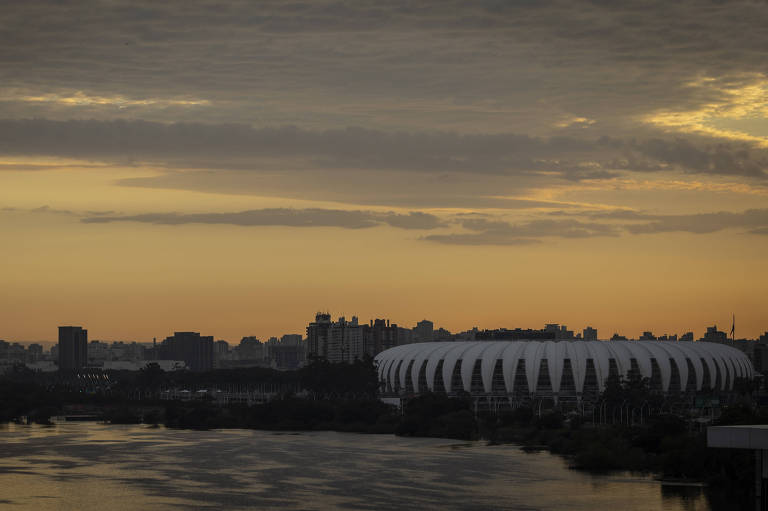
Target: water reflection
91,466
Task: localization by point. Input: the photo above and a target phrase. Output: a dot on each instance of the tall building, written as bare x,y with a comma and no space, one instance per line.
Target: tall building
291,340
345,341
73,348
317,336
589,334
424,331
714,335
195,350
251,348
380,336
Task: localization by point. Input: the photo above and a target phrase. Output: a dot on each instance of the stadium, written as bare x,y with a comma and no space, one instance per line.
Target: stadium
512,372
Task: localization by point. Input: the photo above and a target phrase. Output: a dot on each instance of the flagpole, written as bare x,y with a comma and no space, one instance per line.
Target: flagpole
733,329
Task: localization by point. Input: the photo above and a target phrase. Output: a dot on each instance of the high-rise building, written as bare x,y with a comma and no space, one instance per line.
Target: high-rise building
317,336
73,347
336,341
380,336
291,340
589,334
424,331
195,350
345,341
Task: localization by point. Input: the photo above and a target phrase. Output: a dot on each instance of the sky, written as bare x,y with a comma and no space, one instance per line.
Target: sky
233,167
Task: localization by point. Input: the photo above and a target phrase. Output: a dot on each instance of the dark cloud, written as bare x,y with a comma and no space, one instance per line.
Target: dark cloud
312,217
240,147
754,220
463,66
237,146
719,158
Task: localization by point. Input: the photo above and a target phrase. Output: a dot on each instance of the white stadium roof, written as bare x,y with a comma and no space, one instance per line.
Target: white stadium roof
493,367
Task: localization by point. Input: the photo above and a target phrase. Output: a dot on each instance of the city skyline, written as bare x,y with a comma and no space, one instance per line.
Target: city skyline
575,328
231,167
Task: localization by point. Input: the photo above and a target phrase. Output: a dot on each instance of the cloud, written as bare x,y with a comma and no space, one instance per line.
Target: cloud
486,238
479,229
241,147
312,217
498,232
721,158
754,220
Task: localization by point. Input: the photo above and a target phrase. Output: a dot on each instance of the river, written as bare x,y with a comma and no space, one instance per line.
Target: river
91,466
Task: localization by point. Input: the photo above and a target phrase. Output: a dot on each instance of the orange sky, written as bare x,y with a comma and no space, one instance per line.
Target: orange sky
232,171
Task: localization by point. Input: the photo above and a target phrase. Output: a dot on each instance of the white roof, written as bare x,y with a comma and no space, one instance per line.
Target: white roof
696,357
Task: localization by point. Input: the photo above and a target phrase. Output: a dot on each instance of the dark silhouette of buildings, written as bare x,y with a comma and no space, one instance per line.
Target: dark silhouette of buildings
379,335
317,336
424,331
714,335
504,334
195,350
73,347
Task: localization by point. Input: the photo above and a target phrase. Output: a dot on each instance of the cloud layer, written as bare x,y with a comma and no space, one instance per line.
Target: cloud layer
236,146
283,217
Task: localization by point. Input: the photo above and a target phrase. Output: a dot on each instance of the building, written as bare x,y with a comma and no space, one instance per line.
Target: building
504,334
291,340
285,355
195,350
714,335
423,331
345,341
317,336
589,334
379,335
73,348
250,348
512,372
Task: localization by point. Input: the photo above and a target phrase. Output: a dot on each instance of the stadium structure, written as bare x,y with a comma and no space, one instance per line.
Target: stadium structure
509,373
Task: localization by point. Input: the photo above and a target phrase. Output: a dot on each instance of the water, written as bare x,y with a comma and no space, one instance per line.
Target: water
90,466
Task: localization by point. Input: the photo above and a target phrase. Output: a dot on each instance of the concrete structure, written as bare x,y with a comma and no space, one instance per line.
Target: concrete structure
521,370
195,350
423,331
345,341
754,437
380,336
317,336
73,348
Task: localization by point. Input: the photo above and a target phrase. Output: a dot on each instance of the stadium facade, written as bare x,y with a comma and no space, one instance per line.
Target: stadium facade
517,371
